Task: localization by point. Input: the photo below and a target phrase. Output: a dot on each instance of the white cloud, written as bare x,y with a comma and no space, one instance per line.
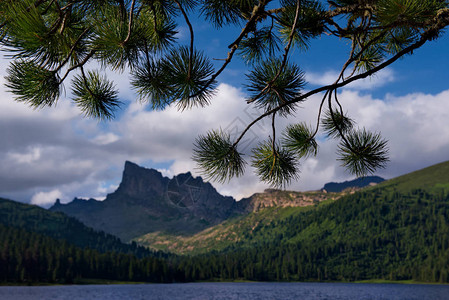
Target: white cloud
166,172
107,138
372,82
103,188
56,150
30,156
416,126
46,198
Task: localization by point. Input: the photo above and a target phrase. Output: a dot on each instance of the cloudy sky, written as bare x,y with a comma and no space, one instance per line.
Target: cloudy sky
56,153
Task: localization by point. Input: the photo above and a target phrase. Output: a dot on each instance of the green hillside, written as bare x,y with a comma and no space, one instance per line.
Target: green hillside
39,246
239,230
59,226
270,223
398,230
369,235
433,179
217,237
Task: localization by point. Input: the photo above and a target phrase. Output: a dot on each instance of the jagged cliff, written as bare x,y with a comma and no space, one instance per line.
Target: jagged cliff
146,201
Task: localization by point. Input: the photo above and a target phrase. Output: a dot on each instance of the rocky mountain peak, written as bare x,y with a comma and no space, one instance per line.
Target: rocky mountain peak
146,201
140,182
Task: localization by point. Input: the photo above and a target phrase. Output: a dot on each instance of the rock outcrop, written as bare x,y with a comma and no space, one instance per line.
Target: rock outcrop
146,201
280,198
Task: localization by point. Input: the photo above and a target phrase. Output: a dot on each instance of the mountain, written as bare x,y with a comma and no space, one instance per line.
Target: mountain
396,230
433,179
274,215
261,208
147,202
337,187
369,235
280,198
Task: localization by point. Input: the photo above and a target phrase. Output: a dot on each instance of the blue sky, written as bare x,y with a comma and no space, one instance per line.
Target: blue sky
56,153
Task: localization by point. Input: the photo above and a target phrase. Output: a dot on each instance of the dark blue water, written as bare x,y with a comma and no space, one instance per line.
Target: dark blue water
229,291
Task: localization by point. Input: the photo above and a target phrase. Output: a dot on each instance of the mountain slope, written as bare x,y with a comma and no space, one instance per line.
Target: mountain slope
269,221
337,187
61,227
29,258
39,246
263,209
434,179
146,202
379,233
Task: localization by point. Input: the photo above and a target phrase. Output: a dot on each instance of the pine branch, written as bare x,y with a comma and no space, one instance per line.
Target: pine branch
130,23
66,60
439,22
284,60
79,65
192,36
255,16
37,3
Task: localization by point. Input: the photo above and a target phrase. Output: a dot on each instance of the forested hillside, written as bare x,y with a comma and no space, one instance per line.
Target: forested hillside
30,258
377,234
38,246
59,226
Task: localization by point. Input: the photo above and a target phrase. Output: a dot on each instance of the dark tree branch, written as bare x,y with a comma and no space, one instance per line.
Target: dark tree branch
71,50
130,22
273,128
257,12
439,22
122,9
319,117
81,64
340,131
192,36
70,4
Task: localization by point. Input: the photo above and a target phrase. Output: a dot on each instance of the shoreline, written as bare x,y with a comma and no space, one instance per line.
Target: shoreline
118,282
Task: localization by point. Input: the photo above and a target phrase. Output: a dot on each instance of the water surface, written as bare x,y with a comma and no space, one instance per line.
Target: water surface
229,291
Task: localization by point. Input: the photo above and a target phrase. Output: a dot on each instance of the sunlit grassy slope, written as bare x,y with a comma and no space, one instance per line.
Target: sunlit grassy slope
432,179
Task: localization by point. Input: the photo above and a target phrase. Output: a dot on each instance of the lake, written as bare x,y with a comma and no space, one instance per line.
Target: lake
229,291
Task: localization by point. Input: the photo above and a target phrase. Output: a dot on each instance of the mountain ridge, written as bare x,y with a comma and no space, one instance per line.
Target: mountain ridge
434,178
361,182
239,230
381,232
146,201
